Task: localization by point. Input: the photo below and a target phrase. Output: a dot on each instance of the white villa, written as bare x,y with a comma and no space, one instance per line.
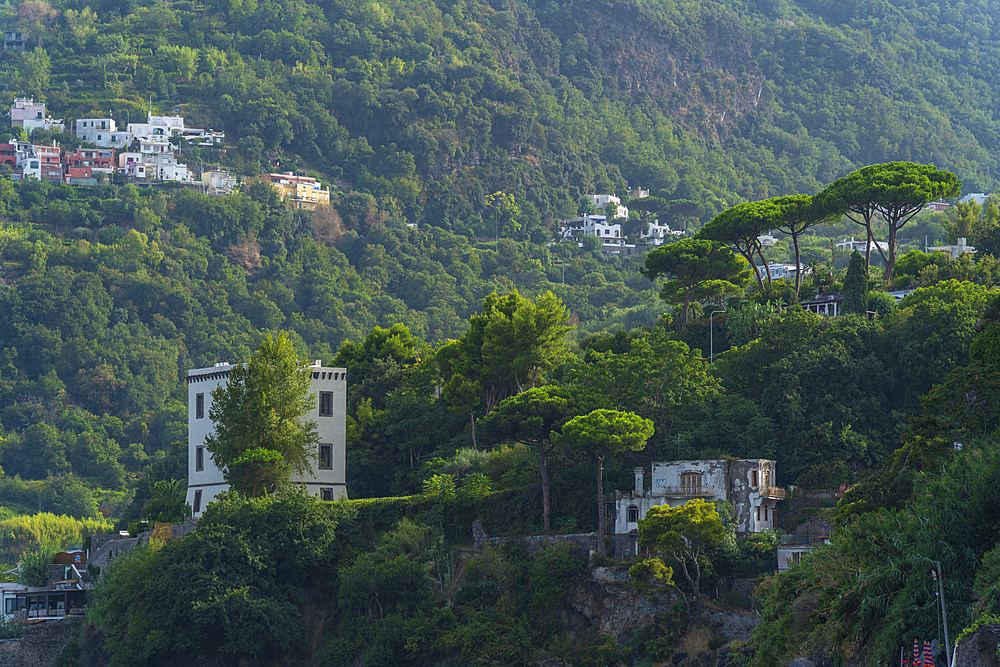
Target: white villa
861,245
173,126
657,234
746,483
602,202
30,115
327,480
779,270
102,132
957,250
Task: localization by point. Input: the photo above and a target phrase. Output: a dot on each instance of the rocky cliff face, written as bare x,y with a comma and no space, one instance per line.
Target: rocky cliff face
701,72
606,602
979,649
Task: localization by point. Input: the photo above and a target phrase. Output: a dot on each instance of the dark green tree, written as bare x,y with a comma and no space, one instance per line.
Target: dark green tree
856,286
678,380
508,348
167,502
742,226
529,418
797,214
895,191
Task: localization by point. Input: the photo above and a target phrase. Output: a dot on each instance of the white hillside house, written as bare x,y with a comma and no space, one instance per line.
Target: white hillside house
328,478
616,208
657,234
591,225
102,132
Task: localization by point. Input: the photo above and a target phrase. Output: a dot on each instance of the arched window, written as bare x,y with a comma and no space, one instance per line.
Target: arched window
633,514
767,477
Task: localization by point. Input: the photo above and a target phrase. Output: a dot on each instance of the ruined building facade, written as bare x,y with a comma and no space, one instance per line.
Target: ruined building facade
748,484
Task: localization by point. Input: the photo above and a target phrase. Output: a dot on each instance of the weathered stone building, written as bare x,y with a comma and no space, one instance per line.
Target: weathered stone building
746,483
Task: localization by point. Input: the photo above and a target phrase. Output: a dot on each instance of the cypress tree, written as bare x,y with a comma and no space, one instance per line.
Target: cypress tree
856,286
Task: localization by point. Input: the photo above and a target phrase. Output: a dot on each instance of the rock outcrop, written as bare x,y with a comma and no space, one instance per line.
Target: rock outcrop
980,648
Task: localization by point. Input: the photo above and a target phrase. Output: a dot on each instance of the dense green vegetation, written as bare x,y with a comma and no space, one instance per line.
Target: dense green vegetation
482,124
871,591
428,108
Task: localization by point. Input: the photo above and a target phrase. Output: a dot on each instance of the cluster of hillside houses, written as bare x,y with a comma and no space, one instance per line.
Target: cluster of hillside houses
613,242
141,153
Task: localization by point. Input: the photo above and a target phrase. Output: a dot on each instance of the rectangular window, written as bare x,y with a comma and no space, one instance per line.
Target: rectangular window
691,483
753,478
199,406
326,494
796,557
758,514
199,458
326,404
326,457
197,502
765,514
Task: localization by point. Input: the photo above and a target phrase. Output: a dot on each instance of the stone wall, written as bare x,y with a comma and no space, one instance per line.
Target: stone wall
583,542
111,549
55,573
40,645
734,627
626,546
742,585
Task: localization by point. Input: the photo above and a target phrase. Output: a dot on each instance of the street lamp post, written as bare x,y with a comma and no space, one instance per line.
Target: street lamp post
711,334
938,577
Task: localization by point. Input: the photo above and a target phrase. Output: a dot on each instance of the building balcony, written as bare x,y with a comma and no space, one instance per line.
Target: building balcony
772,492
688,492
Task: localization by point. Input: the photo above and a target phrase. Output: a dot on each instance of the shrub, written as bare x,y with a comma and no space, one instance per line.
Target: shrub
33,568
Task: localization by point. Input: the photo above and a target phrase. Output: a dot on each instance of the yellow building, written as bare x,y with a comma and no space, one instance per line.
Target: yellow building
303,191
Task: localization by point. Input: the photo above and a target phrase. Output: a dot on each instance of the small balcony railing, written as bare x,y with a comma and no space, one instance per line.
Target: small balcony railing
687,492
774,492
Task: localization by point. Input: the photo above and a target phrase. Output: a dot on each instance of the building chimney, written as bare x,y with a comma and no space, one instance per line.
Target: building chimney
639,482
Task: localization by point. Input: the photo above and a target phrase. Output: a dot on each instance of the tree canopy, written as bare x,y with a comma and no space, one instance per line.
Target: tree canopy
741,226
684,532
507,348
896,191
604,433
696,269
798,213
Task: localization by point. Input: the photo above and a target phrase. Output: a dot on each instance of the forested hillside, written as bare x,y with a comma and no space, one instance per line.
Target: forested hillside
415,114
431,107
457,320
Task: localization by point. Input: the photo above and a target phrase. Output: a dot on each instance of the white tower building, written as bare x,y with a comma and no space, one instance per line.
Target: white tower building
328,478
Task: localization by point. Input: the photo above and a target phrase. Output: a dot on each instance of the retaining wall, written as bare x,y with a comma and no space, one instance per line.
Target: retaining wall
40,646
